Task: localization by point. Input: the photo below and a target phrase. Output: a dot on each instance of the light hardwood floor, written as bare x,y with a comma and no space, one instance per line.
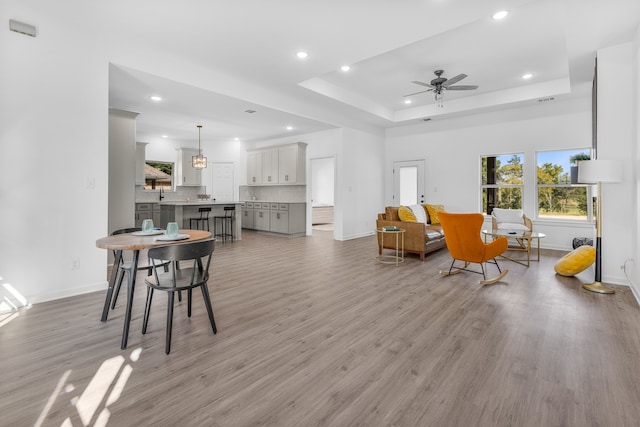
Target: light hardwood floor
313,332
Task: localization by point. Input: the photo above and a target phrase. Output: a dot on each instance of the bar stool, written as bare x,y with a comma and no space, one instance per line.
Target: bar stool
201,220
225,220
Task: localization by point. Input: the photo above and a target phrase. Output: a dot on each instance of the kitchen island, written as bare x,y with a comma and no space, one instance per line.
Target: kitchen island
182,211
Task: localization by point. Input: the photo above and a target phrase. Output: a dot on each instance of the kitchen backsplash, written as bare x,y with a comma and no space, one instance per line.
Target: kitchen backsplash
271,193
180,194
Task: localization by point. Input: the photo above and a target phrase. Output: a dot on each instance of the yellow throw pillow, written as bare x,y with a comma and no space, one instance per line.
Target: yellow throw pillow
433,212
406,214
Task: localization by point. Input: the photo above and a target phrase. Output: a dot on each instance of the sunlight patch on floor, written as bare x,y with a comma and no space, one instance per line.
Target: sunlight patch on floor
103,390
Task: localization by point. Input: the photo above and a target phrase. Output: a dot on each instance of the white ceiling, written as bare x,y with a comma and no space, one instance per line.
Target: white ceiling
252,44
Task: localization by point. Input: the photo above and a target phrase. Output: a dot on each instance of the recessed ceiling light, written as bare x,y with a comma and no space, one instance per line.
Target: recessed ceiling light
500,15
165,136
527,76
302,54
289,127
407,101
345,68
236,139
155,98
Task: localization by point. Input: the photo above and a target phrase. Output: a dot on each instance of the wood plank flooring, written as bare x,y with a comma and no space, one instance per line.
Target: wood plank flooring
313,332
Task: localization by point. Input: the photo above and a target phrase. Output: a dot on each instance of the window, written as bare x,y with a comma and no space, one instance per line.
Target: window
502,182
158,175
557,197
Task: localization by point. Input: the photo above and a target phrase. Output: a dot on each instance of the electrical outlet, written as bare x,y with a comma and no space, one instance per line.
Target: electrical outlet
75,264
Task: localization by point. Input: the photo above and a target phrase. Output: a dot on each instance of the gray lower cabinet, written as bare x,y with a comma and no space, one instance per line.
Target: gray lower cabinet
275,217
262,217
247,215
148,211
143,211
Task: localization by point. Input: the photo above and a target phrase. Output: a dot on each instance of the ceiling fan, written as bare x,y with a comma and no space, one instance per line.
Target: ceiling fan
439,84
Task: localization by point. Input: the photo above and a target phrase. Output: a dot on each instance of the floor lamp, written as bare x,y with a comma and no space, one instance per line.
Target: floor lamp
599,172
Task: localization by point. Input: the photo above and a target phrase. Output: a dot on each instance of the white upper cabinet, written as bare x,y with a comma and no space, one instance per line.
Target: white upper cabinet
270,167
254,167
291,164
187,174
279,165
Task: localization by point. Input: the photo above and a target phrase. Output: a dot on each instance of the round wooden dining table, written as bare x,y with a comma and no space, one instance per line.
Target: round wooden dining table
136,243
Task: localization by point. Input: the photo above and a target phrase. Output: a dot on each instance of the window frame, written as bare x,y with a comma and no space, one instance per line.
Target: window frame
484,206
588,195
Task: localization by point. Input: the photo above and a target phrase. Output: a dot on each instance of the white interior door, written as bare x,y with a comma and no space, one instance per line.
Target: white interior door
409,182
222,181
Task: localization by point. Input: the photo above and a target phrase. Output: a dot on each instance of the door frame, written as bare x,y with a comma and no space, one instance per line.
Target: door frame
421,164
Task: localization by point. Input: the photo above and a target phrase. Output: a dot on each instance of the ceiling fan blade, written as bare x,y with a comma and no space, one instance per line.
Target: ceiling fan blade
462,87
453,80
422,91
422,83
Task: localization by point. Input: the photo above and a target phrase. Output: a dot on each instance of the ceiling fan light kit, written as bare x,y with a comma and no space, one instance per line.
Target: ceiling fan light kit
440,84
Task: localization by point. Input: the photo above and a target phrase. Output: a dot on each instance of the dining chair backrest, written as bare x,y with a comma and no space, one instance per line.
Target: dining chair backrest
195,251
126,230
229,210
204,212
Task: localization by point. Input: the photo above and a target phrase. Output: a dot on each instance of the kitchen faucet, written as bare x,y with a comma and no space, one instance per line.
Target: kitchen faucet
161,194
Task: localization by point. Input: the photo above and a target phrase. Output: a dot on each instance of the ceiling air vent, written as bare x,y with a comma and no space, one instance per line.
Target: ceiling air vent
22,28
250,111
547,99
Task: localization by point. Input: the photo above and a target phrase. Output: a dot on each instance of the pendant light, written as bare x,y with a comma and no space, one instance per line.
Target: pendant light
199,161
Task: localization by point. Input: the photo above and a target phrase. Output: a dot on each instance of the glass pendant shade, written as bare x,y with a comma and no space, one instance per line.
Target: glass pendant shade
199,161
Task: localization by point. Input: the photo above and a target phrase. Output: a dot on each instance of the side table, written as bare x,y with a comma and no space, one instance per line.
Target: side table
397,235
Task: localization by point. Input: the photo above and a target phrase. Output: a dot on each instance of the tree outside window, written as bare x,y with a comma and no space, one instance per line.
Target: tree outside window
557,197
502,182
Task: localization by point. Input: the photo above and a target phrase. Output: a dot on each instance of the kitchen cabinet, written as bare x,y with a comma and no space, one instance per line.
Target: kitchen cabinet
140,162
247,215
187,175
148,211
279,165
261,216
270,167
254,167
280,218
276,217
292,164
143,211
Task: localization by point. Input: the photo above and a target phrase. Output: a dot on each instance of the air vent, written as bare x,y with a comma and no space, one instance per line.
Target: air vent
22,28
250,111
547,99
426,119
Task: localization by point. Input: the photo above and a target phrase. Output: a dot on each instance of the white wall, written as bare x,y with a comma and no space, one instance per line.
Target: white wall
616,116
360,183
633,267
53,166
122,159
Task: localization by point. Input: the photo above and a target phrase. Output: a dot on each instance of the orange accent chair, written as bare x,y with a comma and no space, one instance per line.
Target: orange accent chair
462,234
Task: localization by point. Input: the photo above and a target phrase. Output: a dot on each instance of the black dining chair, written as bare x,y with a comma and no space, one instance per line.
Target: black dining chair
125,267
176,280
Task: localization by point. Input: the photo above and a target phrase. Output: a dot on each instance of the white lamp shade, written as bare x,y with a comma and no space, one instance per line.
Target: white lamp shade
594,171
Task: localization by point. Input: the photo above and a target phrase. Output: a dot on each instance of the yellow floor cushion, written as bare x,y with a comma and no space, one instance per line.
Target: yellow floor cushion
576,261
